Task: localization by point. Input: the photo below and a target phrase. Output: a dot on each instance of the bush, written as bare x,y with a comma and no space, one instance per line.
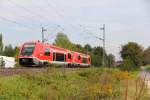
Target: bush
128,65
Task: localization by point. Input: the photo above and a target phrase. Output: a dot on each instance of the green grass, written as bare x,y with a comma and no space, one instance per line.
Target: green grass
81,84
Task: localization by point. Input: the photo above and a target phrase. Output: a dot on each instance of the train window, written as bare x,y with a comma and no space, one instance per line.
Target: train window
69,56
84,60
79,57
28,49
47,52
60,57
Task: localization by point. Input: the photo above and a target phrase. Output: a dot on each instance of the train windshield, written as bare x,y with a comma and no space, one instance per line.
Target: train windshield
28,49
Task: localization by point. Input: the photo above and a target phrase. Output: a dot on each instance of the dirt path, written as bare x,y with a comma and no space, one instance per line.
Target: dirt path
144,74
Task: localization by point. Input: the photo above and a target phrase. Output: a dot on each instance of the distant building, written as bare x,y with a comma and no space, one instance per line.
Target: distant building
7,62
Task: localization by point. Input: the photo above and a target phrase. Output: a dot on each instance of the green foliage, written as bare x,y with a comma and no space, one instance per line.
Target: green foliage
128,65
97,57
16,53
63,41
111,60
96,60
146,56
134,52
96,52
9,51
88,48
80,84
1,44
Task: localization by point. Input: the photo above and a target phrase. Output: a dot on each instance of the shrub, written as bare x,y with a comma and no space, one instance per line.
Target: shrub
128,65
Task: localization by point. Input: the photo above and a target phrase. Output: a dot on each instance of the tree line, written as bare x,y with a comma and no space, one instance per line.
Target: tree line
8,50
133,55
96,53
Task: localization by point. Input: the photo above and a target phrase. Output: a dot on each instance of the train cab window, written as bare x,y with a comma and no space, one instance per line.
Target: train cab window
47,52
28,49
69,56
79,57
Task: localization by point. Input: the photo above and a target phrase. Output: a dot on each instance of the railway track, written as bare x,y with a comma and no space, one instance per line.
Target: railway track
23,70
16,71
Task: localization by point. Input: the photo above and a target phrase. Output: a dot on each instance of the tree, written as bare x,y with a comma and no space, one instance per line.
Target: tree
16,50
96,53
97,56
1,44
146,56
128,64
87,48
9,51
79,48
133,52
63,41
111,60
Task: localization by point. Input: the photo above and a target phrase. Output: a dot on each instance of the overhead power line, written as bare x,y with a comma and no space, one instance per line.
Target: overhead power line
32,12
26,9
101,39
15,22
88,32
58,13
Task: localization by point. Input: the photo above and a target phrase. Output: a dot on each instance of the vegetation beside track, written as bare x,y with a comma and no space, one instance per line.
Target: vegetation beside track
79,84
147,68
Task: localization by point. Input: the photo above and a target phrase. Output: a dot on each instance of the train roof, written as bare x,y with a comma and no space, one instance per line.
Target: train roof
56,47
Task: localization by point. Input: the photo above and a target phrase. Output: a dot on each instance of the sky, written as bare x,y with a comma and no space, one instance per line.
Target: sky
81,20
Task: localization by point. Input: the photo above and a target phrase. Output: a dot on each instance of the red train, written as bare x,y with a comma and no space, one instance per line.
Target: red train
40,54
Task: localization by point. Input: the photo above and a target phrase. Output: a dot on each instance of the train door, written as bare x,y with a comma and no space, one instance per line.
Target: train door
69,57
59,56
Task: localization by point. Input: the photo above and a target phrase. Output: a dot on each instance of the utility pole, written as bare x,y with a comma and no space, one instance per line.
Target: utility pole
43,30
101,39
103,28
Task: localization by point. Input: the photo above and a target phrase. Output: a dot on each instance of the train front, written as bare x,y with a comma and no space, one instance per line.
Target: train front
27,54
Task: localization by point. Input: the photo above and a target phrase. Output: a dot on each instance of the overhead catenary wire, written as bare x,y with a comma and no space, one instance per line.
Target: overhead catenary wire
15,22
26,9
59,13
24,17
52,33
33,13
29,11
90,33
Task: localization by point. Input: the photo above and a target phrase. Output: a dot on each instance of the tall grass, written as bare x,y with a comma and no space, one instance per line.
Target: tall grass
80,84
